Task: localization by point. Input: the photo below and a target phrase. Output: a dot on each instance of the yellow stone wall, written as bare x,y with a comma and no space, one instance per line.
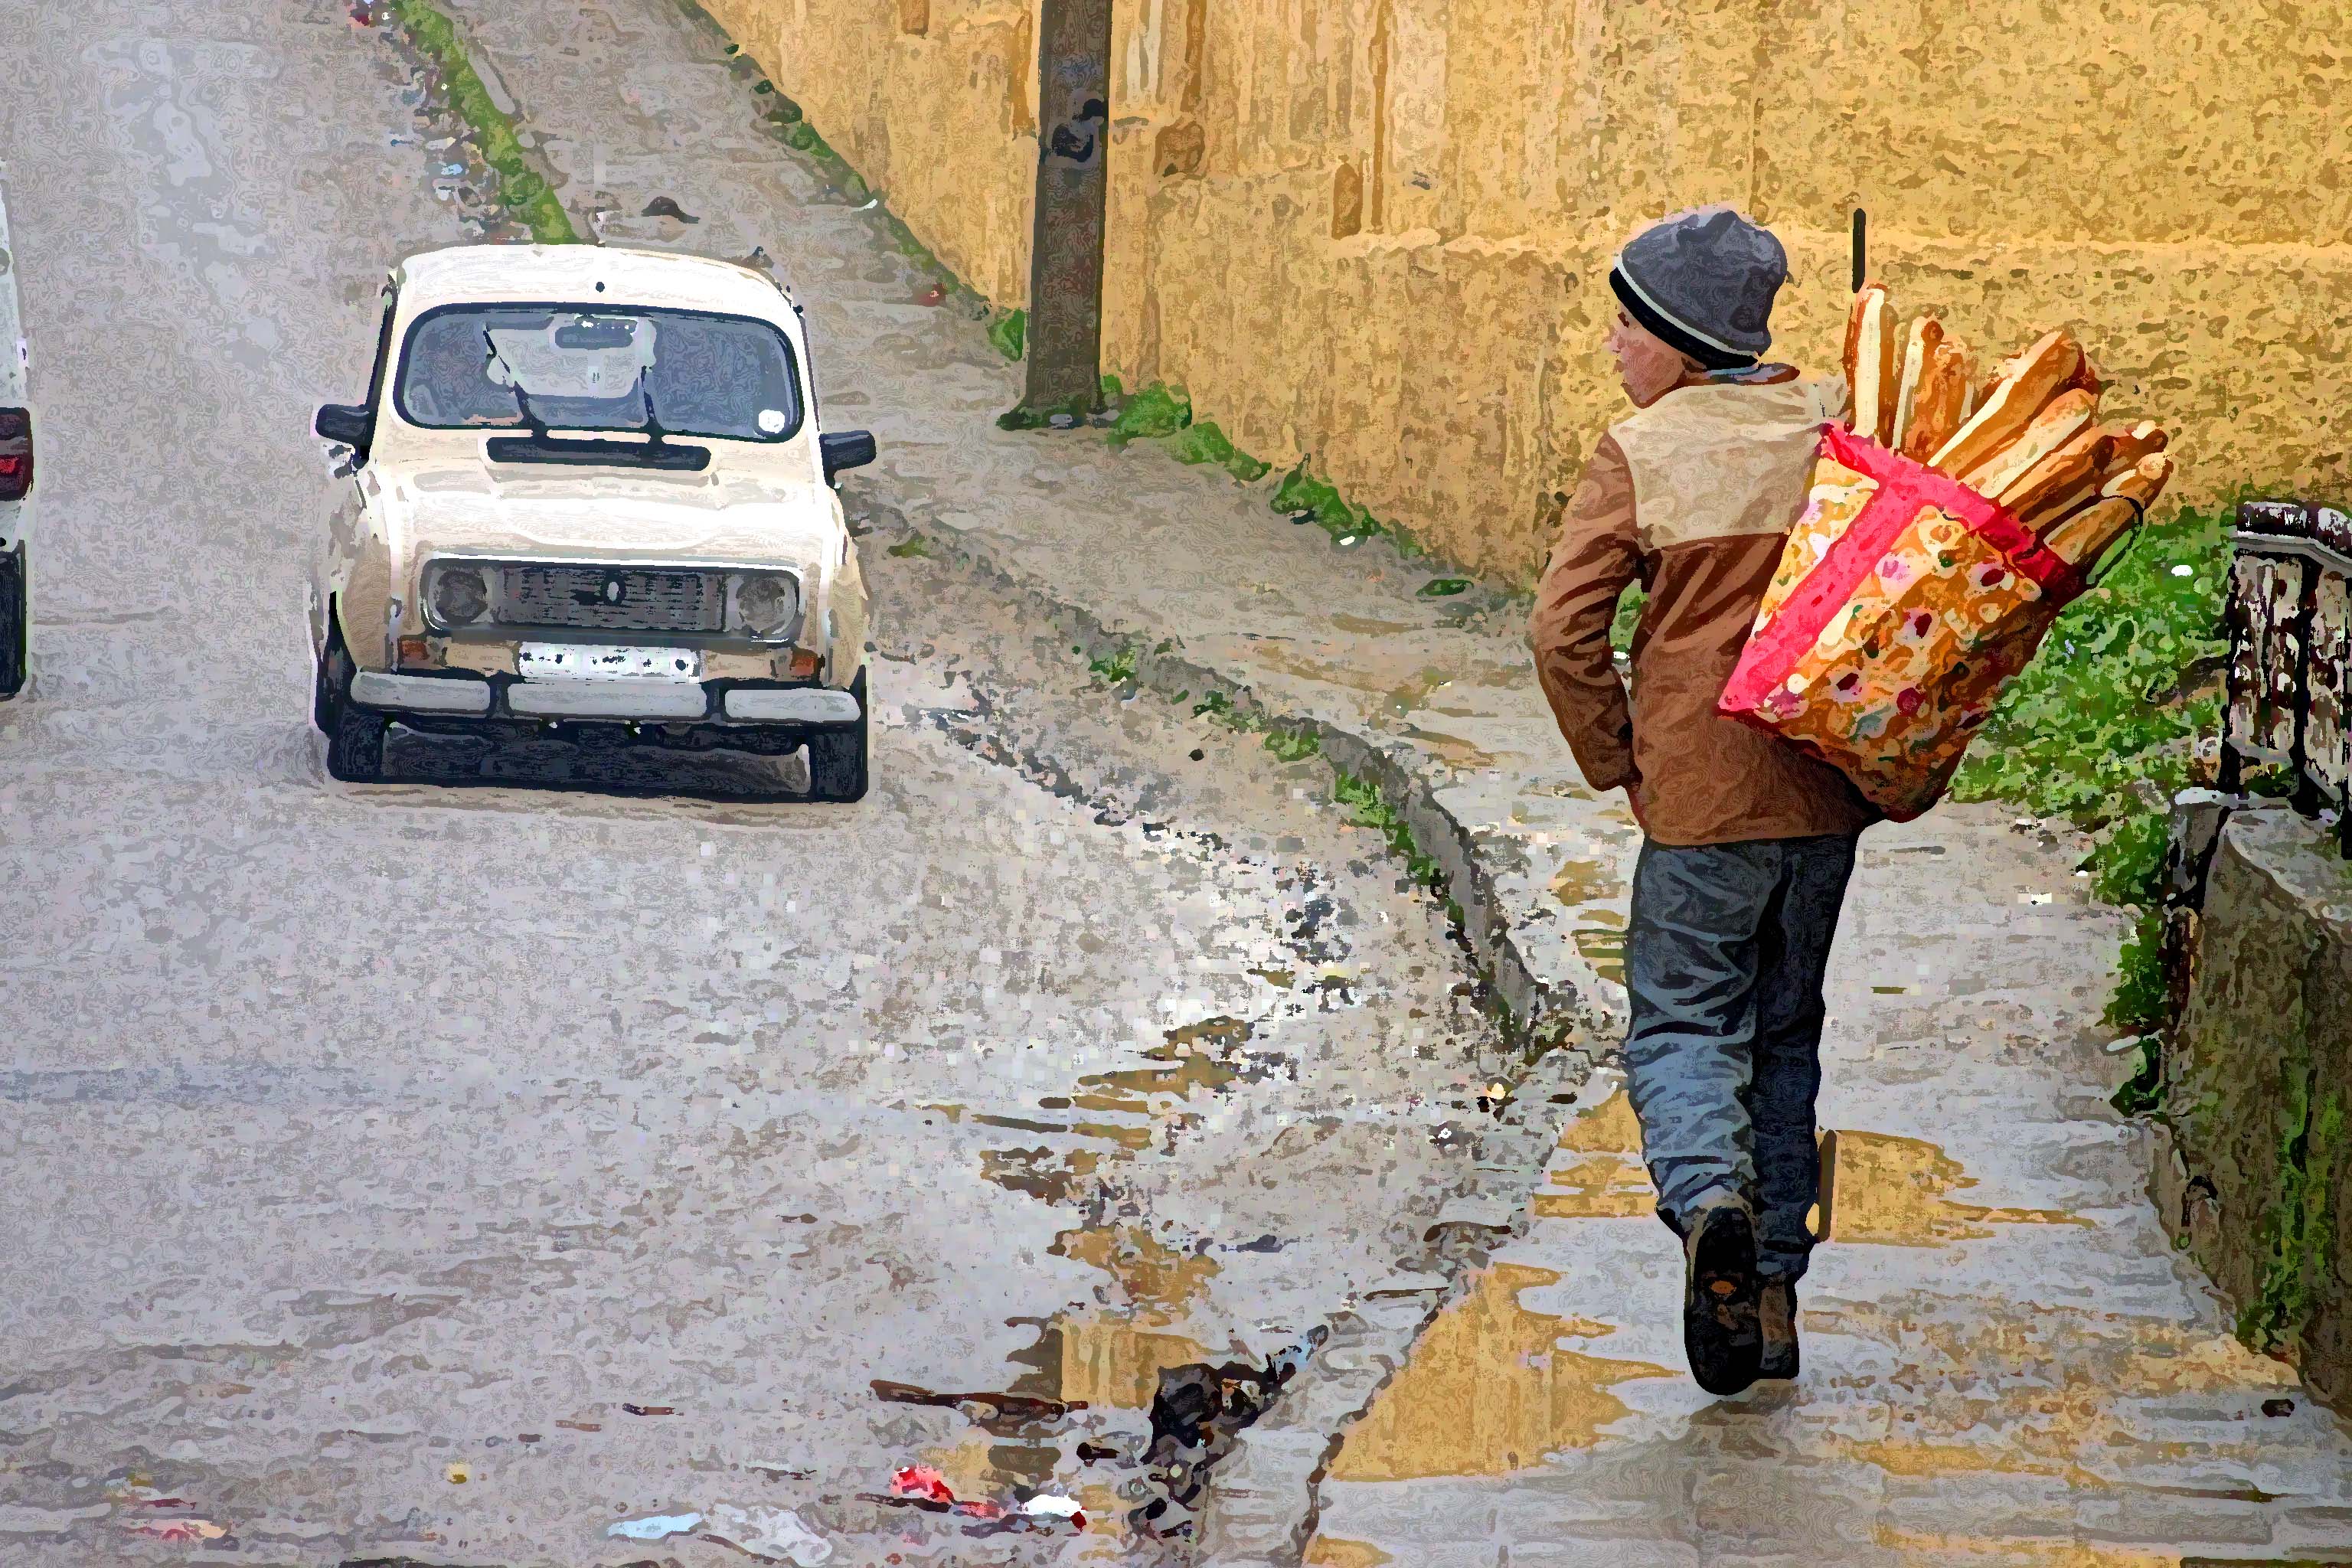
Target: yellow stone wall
1376,231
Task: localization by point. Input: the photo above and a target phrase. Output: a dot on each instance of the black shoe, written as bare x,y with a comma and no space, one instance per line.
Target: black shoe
1721,1333
1777,1314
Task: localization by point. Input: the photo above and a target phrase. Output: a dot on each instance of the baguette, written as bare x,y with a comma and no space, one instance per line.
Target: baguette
1873,384
2072,470
2132,445
1919,346
2065,418
1938,409
1862,296
2087,378
2023,385
2079,539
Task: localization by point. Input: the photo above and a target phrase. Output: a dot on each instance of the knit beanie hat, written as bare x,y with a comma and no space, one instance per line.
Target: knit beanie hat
1703,281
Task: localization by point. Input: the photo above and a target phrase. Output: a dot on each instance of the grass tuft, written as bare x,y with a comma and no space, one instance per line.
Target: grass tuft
1368,808
519,185
1155,410
1118,668
1206,443
1008,332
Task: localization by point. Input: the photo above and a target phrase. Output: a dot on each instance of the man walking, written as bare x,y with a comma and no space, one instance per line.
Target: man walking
1748,841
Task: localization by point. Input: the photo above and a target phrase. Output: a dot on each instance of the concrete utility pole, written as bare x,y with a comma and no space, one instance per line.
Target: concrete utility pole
1066,257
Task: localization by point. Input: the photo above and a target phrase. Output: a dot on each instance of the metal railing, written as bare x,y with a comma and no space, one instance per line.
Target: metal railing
2290,624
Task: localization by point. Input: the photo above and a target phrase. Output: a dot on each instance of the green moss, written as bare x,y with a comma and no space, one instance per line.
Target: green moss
2298,1232
1368,808
1116,670
1444,588
1293,745
2139,1004
2097,711
1301,492
1155,410
1206,443
520,186
1218,706
916,545
1008,331
2128,865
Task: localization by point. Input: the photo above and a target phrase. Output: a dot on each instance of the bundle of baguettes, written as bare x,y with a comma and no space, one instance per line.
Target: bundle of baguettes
2030,437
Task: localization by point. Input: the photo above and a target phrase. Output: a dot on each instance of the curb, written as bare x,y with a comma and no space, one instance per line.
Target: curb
1260,1505
1542,1016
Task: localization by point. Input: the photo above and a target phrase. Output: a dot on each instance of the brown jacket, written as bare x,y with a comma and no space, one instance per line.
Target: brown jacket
1694,497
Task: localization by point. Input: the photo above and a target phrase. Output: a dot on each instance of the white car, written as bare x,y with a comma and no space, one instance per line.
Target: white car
16,484
589,488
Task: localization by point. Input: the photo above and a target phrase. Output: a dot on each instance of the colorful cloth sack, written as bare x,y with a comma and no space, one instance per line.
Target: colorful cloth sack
1905,603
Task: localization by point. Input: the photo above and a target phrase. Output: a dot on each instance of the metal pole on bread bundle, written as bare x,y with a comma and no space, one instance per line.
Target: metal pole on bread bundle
1946,528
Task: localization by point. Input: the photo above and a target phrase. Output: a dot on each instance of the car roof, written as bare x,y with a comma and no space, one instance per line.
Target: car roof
537,274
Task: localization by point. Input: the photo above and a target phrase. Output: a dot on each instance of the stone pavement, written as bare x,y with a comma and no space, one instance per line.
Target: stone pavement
2006,1361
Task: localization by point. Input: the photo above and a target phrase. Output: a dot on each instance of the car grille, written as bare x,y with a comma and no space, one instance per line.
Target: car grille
613,599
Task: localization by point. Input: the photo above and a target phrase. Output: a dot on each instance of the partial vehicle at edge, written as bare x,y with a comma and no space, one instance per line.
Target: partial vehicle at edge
16,482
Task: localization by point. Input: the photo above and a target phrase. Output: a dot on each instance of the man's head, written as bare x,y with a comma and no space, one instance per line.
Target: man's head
1694,294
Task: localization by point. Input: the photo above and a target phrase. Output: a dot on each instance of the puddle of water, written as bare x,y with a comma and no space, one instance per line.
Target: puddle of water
1584,882
1609,1127
1603,947
1158,1281
1488,1391
1104,1362
980,1467
1925,1545
1174,1073
1606,1186
1332,1552
1221,1032
1368,626
1876,1187
1891,1190
1050,1175
1453,751
1609,1182
1403,695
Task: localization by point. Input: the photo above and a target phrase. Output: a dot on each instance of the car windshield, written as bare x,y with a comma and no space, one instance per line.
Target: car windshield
677,372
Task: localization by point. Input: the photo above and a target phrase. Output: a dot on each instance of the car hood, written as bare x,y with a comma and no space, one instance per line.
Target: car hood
476,507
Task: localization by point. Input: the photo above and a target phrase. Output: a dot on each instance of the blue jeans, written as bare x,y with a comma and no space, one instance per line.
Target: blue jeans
1724,960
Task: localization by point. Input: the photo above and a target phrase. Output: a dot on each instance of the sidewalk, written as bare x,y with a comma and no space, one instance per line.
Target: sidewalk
2005,1363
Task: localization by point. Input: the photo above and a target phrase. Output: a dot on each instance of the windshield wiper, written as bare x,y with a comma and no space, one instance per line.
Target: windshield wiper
598,451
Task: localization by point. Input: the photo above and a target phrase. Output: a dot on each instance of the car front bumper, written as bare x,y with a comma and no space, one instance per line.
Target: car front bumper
626,701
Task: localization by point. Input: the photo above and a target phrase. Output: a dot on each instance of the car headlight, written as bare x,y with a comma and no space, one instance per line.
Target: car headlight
460,596
766,603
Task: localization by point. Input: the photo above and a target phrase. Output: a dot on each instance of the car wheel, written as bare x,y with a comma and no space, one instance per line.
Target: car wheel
15,622
838,757
332,679
355,745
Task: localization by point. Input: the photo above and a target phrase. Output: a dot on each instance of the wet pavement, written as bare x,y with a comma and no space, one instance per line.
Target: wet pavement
2005,1362
452,1173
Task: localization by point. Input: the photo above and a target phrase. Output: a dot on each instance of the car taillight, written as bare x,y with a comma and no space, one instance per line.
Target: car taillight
15,453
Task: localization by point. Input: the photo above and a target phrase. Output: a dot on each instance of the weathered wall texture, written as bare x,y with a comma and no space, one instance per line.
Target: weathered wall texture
2257,1086
1376,230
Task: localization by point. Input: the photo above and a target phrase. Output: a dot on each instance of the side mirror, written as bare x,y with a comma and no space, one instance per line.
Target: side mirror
845,449
345,424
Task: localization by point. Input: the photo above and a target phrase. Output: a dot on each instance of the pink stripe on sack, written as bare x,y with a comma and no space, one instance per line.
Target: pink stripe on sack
1904,488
